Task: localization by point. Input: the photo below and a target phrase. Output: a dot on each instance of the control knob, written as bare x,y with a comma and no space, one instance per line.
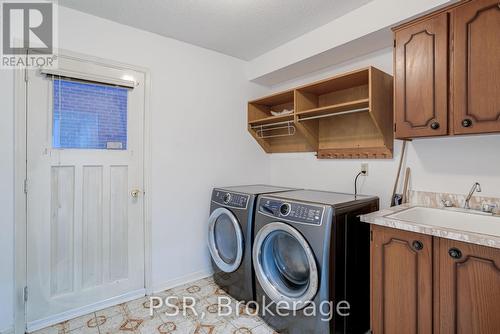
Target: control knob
285,209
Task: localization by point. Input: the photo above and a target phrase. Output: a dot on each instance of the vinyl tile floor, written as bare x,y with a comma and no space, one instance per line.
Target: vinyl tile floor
200,317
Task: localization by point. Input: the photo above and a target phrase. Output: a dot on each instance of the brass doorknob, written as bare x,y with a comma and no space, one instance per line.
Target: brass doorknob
135,193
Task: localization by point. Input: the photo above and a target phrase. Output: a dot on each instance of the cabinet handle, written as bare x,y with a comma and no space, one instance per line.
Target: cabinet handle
455,253
466,123
418,245
435,125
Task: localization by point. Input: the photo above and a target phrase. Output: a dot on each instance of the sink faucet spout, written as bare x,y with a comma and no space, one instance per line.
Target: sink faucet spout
475,187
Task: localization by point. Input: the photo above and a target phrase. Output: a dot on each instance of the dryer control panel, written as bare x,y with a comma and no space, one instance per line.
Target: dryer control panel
231,199
292,211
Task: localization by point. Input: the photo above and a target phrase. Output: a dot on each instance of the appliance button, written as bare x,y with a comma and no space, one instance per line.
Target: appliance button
227,198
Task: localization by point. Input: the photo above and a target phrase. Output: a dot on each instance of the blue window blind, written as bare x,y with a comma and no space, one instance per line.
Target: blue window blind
89,116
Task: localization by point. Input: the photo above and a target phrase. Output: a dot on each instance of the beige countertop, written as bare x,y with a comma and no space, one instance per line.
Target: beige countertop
382,218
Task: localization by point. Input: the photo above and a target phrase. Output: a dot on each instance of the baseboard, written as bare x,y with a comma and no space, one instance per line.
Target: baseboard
55,319
9,330
49,321
183,280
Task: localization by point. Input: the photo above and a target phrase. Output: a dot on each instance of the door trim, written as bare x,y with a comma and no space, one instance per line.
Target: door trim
20,174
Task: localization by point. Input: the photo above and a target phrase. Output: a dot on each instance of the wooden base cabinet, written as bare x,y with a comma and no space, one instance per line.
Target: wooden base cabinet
401,282
424,284
469,289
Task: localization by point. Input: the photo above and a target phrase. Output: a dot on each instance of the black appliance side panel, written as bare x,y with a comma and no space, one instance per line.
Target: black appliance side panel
351,269
247,260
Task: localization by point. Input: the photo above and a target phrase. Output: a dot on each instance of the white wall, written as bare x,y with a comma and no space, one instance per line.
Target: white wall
449,164
199,140
363,30
6,199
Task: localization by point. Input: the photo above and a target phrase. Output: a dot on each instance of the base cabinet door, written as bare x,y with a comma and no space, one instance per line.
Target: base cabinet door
420,81
476,67
469,289
401,277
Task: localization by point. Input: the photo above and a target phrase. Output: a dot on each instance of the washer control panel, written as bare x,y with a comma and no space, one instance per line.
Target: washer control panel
234,200
292,211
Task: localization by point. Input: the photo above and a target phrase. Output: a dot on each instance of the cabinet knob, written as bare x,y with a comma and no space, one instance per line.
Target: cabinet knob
466,123
418,245
455,253
435,125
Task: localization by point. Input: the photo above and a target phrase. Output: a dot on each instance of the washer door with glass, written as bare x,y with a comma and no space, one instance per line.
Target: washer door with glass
225,240
285,266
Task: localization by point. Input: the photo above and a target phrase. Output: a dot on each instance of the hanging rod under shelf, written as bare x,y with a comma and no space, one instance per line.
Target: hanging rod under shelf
263,128
334,114
270,124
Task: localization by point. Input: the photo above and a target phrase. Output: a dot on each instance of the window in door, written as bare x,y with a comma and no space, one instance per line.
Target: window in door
89,116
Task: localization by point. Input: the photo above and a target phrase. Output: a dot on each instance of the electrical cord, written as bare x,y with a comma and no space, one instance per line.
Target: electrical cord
356,183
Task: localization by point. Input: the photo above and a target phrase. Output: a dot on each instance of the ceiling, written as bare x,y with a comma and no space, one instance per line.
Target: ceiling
241,28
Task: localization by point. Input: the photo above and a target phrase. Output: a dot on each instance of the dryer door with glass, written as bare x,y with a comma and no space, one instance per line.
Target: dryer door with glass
225,240
285,265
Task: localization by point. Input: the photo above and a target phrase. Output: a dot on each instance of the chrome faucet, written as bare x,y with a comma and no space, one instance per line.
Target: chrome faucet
475,187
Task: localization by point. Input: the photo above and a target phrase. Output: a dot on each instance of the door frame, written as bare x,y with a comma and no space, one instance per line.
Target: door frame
20,175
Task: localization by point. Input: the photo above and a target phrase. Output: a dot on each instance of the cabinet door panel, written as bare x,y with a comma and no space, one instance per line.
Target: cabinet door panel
469,289
401,282
476,67
421,74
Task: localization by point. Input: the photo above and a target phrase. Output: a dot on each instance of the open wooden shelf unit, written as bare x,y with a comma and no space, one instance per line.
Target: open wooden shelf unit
346,116
276,134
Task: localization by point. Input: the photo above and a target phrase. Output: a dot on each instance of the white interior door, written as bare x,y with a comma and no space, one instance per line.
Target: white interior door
85,234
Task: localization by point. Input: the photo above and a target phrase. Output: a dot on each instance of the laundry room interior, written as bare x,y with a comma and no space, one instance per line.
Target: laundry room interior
280,166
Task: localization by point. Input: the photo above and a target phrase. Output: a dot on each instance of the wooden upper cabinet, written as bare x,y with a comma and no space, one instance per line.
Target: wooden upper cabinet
456,47
476,67
469,289
421,76
401,282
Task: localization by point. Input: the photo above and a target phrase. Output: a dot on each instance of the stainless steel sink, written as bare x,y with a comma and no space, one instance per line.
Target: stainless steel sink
450,219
